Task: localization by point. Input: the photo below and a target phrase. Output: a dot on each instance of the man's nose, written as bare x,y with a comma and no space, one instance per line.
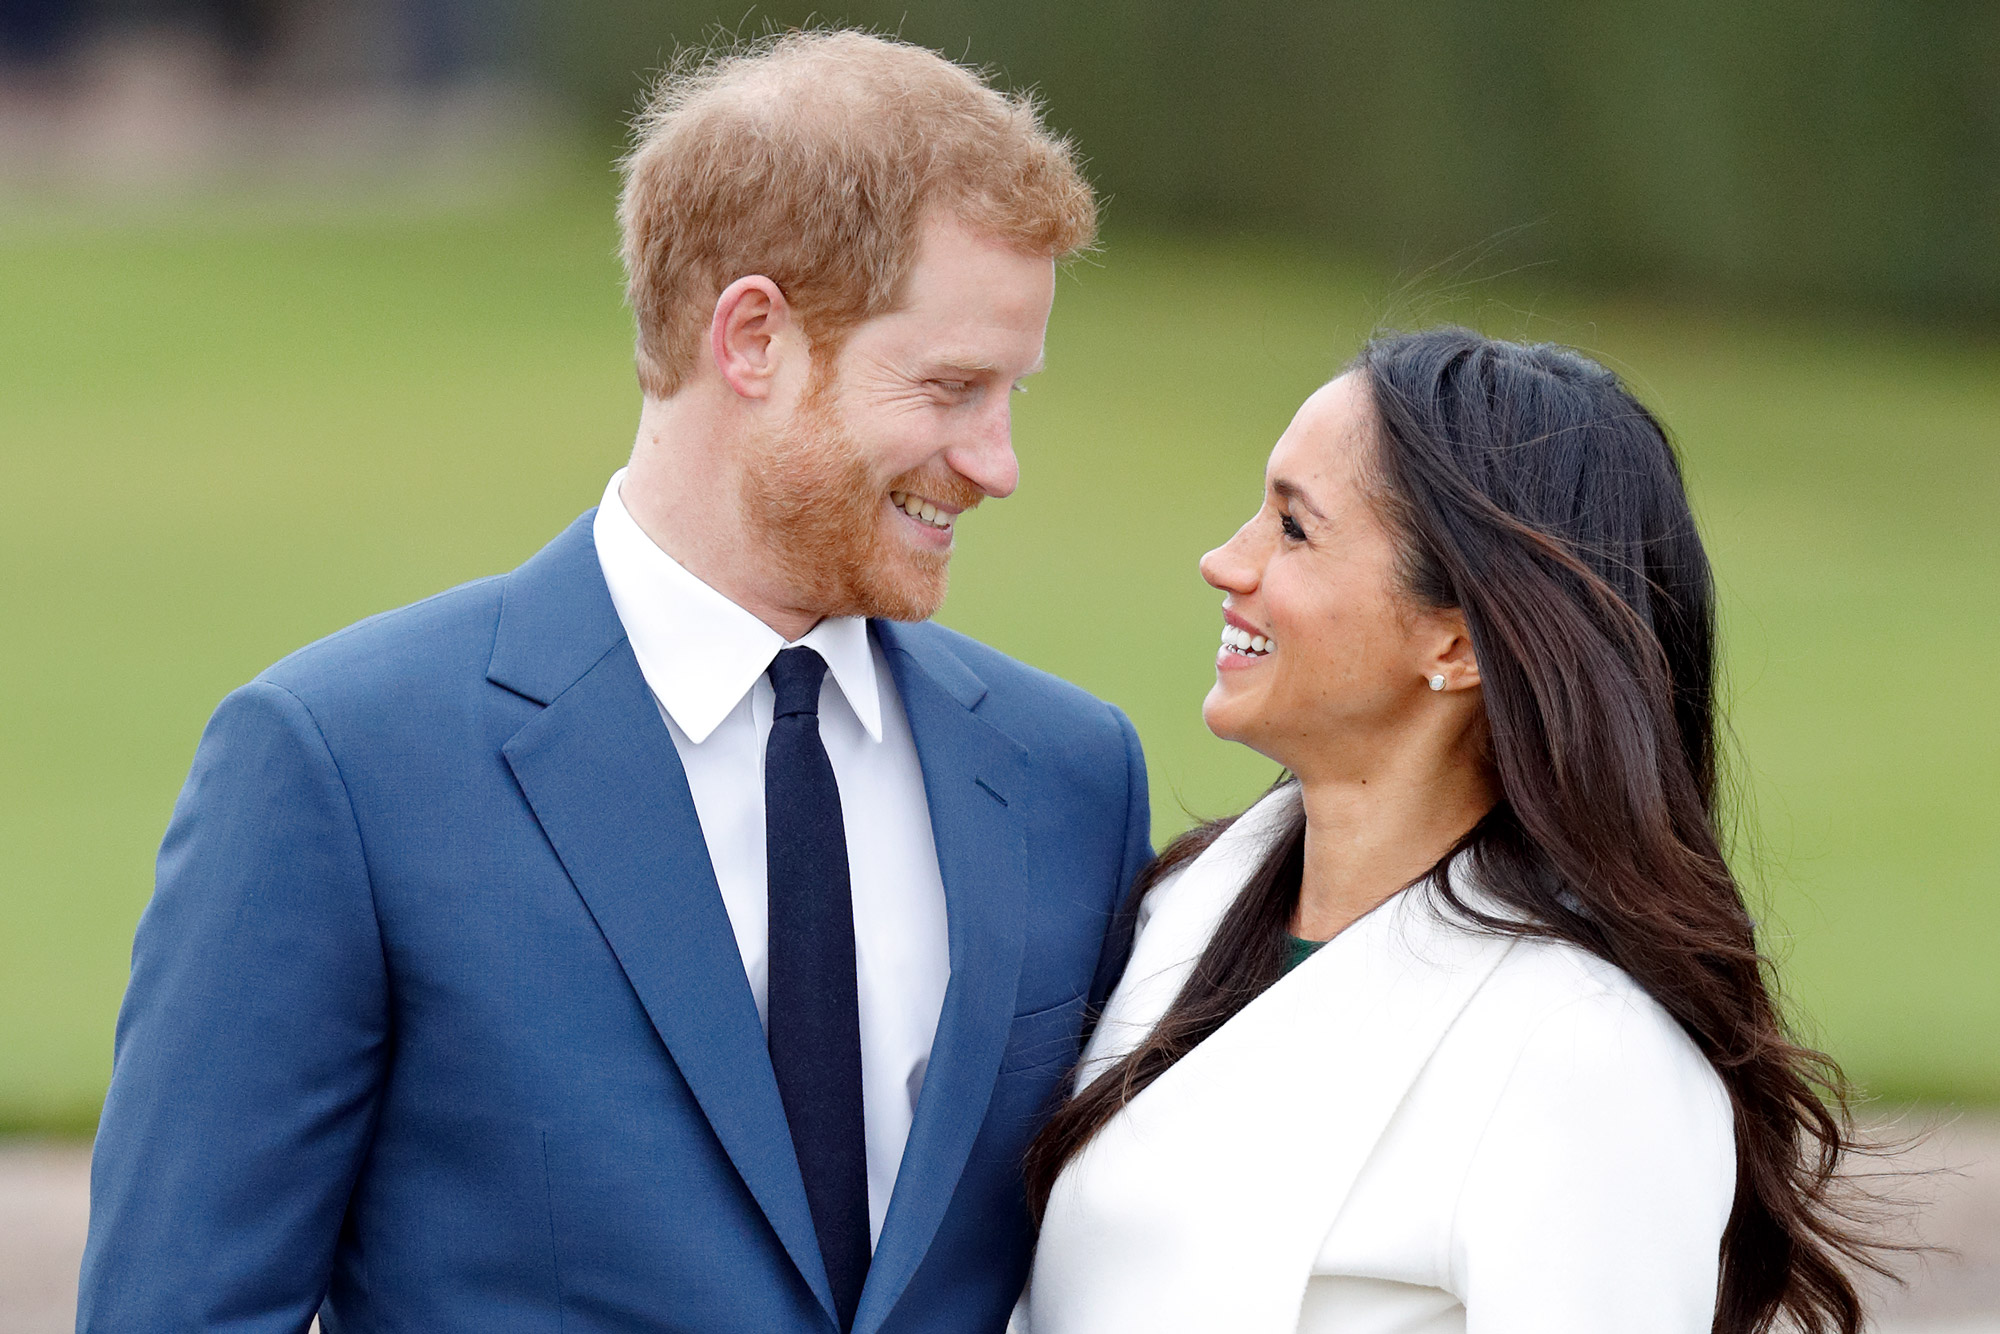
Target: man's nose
986,457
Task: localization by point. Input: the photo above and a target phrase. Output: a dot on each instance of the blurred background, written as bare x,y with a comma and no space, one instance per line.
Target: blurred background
309,308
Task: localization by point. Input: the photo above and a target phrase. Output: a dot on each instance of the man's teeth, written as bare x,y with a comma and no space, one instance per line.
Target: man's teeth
1242,641
919,508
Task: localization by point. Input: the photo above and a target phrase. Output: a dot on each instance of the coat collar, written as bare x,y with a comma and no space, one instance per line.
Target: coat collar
556,618
1265,1126
700,652
1175,922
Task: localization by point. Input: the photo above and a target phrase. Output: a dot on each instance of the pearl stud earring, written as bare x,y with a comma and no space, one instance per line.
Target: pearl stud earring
1437,682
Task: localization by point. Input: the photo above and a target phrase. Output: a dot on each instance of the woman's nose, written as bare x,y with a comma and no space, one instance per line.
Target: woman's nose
1227,568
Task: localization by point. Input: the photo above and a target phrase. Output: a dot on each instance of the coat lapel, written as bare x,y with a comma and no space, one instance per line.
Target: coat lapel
1262,1129
1176,920
975,778
600,771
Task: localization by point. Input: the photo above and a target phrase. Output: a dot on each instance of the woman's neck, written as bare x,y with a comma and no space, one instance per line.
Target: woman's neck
1368,837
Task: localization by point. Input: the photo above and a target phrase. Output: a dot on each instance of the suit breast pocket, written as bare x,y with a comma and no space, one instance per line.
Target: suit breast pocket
1041,1048
1044,1037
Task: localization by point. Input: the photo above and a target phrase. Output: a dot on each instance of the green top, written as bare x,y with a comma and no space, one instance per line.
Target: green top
1298,950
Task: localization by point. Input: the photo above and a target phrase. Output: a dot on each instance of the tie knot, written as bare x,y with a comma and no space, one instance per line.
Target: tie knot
796,674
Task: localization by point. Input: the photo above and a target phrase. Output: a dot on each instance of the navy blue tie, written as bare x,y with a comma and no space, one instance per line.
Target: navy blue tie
814,1015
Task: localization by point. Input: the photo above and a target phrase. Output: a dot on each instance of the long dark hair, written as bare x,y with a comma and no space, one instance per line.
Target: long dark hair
1528,488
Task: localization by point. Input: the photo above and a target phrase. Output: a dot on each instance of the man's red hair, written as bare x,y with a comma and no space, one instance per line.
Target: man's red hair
812,158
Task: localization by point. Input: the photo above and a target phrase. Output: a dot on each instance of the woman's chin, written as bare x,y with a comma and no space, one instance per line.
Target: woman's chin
1224,712
1241,721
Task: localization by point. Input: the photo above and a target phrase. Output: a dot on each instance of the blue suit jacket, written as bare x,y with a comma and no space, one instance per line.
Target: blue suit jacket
436,1017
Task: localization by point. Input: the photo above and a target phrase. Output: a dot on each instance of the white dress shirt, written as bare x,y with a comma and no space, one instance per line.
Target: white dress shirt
704,658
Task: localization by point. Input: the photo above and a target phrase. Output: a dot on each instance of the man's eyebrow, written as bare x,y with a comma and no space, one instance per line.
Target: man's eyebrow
1294,494
976,365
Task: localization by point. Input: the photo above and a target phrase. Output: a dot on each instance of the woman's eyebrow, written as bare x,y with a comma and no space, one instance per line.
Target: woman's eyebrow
1294,494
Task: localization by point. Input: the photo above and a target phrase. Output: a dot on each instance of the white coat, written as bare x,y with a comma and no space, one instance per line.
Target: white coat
1423,1127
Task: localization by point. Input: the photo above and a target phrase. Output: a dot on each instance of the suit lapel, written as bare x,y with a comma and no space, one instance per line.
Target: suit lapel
975,779
600,771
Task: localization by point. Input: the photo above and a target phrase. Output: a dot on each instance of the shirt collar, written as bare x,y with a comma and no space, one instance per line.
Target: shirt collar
701,653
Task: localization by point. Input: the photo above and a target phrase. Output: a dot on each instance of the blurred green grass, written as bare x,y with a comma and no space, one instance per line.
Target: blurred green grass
226,434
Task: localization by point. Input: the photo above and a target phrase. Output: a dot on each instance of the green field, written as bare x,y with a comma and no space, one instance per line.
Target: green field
226,434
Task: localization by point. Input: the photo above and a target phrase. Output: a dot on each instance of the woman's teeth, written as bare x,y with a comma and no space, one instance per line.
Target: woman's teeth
918,508
1242,641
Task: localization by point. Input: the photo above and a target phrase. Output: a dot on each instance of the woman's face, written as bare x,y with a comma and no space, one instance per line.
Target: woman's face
1311,578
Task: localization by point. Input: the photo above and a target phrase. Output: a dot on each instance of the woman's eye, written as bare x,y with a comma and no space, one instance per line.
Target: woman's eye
1291,528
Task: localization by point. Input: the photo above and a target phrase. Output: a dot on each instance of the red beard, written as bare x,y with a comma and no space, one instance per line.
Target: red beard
817,506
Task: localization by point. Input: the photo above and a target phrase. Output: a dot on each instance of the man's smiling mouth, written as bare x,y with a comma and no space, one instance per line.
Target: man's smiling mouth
923,510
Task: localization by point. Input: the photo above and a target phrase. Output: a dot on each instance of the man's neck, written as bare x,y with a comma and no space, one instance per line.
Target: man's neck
684,490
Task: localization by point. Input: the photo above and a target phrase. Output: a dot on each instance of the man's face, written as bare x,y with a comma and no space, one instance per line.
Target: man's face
907,428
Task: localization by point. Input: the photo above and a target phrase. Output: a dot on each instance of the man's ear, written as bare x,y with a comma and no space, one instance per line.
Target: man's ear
751,319
1451,656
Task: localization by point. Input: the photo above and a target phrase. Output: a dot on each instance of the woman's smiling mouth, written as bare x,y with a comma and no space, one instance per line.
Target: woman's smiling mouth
1244,643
